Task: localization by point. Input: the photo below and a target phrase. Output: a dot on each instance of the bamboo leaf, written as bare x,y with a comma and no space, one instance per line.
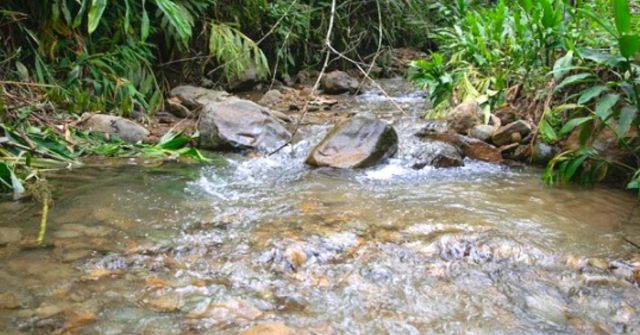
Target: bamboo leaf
95,14
144,29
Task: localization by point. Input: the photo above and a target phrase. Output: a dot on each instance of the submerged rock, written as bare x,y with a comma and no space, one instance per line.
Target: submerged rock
437,154
358,142
237,124
125,129
483,132
464,117
338,82
269,328
511,133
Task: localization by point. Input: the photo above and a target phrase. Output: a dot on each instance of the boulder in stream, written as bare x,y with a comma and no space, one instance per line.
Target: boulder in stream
437,154
514,132
125,129
240,124
338,82
482,132
358,142
471,147
464,117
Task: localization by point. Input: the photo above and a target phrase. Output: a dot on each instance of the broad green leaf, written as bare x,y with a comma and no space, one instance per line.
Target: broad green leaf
600,58
591,93
576,78
562,66
573,167
627,114
629,45
573,123
603,107
95,14
527,5
548,14
622,15
547,132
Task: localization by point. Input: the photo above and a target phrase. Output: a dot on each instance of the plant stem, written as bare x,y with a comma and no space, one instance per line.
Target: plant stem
43,221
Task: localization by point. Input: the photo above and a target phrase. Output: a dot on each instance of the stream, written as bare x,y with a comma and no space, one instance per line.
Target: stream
188,249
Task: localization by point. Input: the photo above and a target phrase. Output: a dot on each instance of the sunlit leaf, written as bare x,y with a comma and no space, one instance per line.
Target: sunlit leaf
95,14
629,45
573,123
622,15
627,114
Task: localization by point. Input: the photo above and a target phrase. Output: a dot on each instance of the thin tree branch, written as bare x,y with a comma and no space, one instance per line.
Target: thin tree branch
316,85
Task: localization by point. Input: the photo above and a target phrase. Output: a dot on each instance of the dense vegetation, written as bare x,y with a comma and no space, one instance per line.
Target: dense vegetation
567,66
571,67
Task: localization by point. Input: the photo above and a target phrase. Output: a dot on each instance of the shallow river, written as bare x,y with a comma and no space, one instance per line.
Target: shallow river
176,249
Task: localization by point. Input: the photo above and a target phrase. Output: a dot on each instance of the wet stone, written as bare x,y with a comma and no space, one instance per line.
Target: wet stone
9,235
9,300
165,302
232,310
269,328
358,142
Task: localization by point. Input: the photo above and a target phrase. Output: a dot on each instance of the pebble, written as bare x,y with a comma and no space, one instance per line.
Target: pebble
269,328
226,311
8,300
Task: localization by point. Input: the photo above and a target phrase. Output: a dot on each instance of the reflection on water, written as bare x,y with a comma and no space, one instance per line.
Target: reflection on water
480,249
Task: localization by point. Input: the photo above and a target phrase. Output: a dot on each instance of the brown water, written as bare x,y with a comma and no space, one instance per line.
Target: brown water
179,249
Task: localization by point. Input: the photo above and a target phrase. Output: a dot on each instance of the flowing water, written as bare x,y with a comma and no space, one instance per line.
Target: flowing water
175,249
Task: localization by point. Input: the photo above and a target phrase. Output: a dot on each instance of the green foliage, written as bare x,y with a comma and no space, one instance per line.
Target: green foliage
26,151
604,89
590,61
432,76
491,49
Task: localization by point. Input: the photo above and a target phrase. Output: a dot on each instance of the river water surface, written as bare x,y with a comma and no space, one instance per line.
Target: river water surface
175,249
